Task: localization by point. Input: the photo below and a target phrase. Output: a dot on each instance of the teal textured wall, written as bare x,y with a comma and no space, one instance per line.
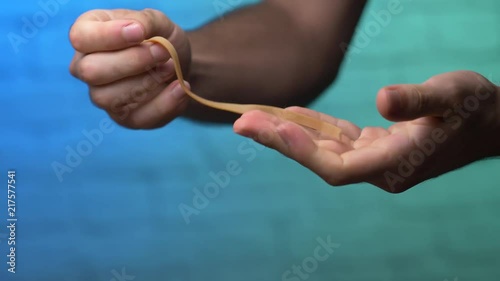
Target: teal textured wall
116,216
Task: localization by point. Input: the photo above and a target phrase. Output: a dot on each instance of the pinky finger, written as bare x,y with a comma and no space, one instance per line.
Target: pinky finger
158,112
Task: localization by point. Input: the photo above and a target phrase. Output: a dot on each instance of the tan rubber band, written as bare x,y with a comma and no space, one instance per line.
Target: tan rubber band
301,119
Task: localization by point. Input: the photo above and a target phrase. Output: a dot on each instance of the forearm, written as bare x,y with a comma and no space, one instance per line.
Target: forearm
278,53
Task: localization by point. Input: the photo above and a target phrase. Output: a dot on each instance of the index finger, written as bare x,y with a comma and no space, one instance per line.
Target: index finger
108,30
349,129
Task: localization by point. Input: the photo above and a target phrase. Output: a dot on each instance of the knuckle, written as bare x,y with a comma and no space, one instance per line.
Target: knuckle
294,108
138,95
469,73
419,98
481,79
75,37
150,16
100,100
400,188
454,87
135,60
149,12
124,122
134,121
336,180
79,32
393,190
86,71
153,19
455,83
72,69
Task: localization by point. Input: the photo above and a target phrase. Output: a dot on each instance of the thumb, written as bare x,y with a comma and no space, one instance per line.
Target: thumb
410,101
108,30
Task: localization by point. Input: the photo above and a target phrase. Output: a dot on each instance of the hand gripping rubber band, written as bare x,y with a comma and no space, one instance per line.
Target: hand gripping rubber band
301,119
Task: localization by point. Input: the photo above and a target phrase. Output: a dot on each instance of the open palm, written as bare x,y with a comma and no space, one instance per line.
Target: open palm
393,159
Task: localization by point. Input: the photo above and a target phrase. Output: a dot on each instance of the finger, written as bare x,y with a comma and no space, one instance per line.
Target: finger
408,102
369,135
369,163
106,30
261,127
289,139
158,112
72,66
432,98
106,67
349,129
334,145
266,129
136,90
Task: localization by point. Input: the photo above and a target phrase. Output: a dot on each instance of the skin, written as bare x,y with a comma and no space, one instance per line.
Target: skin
257,55
238,59
433,122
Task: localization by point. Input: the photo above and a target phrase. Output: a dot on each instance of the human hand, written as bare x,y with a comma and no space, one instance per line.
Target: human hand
133,81
445,123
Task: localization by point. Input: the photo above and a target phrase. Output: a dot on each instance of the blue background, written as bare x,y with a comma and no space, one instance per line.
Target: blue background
118,209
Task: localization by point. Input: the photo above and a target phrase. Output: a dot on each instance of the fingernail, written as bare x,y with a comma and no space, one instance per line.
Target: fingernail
166,70
159,53
133,33
178,92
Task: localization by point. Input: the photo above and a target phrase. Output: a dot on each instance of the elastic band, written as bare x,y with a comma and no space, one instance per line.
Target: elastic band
301,119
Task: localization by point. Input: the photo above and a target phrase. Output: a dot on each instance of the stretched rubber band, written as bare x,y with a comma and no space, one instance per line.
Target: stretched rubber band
301,119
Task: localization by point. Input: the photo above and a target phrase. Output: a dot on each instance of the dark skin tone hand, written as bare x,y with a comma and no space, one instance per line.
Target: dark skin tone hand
447,122
260,54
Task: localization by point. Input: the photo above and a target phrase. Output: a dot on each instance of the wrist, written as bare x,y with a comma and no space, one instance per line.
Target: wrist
496,132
